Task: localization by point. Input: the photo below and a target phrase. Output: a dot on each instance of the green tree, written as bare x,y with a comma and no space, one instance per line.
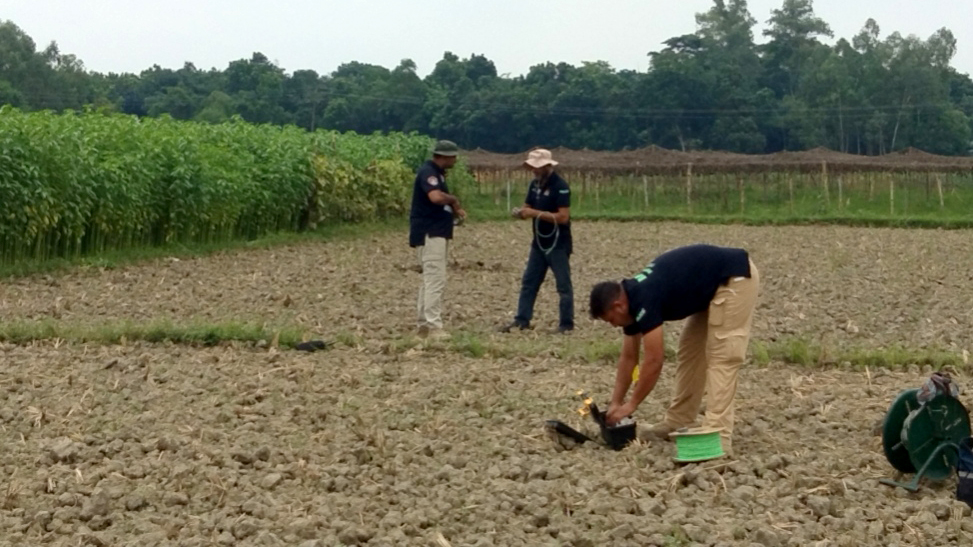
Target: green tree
257,88
304,98
356,96
793,32
217,108
406,94
680,90
24,73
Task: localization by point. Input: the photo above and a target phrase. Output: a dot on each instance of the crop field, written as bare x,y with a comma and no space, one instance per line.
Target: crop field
385,439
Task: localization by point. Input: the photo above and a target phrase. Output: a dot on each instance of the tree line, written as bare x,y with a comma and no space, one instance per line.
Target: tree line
716,89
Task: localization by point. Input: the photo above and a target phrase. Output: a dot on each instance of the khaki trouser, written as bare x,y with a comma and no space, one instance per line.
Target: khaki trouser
712,347
432,260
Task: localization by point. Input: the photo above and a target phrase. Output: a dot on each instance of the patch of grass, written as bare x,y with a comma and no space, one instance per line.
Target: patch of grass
468,344
898,357
758,220
556,346
759,353
677,537
800,351
193,333
114,259
796,351
616,206
601,351
394,346
348,339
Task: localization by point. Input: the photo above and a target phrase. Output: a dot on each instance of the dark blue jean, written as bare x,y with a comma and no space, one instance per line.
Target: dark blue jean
538,263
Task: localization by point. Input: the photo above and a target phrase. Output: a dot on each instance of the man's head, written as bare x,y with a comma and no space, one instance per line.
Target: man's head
540,162
609,303
444,154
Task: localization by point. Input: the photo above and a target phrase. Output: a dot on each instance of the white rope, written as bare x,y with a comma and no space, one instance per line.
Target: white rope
556,232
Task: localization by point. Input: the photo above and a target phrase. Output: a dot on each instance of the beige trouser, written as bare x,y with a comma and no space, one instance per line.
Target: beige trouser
432,260
712,347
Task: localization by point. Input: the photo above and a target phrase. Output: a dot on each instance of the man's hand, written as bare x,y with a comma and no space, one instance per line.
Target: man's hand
460,212
617,412
528,212
516,213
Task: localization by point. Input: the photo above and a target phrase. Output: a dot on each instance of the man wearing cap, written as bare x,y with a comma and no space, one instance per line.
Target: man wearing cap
548,204
430,229
715,290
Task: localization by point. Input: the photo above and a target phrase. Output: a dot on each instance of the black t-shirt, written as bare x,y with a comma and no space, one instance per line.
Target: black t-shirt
679,283
554,194
425,217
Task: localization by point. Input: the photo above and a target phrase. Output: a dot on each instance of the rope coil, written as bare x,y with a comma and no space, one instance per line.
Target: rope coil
692,447
556,233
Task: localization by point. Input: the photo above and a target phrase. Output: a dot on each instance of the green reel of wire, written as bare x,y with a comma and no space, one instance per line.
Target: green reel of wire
924,438
697,444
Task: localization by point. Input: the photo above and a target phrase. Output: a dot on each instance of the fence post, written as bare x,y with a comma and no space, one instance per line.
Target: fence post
508,194
598,194
892,196
824,181
689,188
742,193
939,188
841,199
645,191
583,186
790,189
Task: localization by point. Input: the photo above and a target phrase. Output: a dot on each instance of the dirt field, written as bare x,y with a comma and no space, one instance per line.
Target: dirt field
388,441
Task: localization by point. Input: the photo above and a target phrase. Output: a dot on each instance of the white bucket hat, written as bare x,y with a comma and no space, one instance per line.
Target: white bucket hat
539,158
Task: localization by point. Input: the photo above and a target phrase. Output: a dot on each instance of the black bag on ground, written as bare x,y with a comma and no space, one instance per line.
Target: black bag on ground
964,470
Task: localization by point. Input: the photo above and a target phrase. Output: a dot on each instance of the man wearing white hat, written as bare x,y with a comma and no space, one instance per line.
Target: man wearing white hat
548,204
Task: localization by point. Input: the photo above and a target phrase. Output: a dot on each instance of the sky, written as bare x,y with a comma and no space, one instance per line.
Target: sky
130,36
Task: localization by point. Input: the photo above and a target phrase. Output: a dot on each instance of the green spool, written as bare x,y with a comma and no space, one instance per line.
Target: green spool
697,444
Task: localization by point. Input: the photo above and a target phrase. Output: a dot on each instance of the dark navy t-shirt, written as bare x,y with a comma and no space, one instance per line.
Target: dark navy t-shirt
426,217
553,195
680,283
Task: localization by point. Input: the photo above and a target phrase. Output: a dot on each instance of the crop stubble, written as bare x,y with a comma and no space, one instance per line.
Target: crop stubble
390,442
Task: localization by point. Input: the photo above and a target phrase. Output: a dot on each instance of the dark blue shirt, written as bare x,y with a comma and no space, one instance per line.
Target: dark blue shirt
550,196
680,283
426,217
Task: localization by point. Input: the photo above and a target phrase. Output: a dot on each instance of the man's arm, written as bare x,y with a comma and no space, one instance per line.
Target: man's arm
562,216
649,372
623,372
442,198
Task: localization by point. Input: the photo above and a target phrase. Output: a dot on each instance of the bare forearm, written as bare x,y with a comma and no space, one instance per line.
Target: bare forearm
623,378
448,199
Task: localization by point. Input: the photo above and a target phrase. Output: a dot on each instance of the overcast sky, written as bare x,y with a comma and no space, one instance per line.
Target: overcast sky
132,35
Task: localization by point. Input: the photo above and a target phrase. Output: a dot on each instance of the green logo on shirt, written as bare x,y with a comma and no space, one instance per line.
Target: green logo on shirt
644,274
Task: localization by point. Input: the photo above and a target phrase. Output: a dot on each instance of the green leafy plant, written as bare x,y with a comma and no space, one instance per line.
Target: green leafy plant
80,184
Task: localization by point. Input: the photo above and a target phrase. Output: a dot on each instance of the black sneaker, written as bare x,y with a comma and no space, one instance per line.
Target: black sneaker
516,325
563,330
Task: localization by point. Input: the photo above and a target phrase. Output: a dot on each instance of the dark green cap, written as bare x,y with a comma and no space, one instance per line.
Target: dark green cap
445,148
